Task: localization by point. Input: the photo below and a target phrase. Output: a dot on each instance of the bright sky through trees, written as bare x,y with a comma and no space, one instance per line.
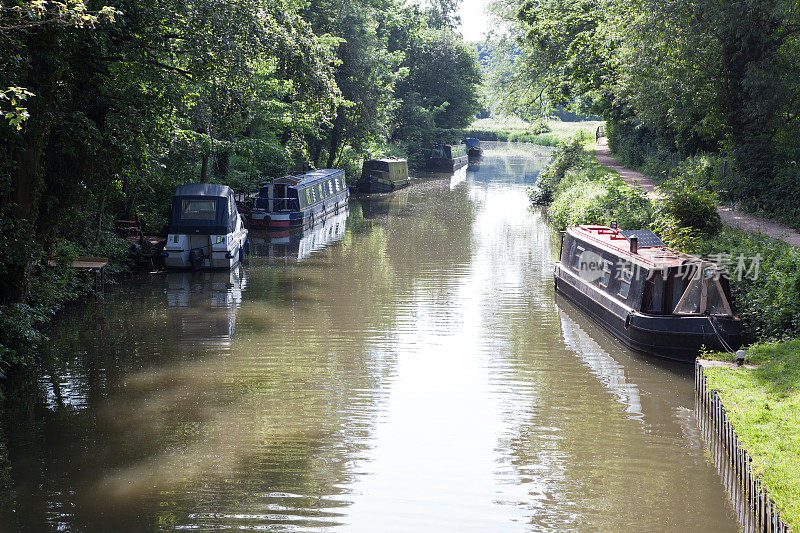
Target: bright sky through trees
474,19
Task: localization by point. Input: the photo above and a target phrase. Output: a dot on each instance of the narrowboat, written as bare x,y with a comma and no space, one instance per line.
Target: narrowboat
654,299
474,150
205,230
448,158
300,201
383,175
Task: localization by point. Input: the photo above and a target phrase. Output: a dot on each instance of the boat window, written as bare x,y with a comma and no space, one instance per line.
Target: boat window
231,209
657,294
606,277
330,187
199,209
576,257
335,184
626,275
570,251
704,294
677,291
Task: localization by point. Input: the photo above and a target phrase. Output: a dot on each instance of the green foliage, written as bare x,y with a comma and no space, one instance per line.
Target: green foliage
567,157
689,205
585,199
579,191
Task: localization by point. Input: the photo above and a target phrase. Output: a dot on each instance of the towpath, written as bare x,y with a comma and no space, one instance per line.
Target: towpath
731,217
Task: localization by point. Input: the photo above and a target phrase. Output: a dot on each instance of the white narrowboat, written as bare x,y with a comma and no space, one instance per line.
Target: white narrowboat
205,230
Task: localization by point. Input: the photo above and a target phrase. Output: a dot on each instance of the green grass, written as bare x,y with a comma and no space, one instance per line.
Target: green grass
513,129
764,407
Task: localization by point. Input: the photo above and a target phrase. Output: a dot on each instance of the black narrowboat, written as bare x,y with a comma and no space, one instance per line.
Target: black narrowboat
383,175
448,158
654,299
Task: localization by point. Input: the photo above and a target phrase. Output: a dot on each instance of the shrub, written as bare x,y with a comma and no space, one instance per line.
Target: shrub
583,199
690,206
563,159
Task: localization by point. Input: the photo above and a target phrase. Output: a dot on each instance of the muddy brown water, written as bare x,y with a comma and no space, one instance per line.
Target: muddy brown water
408,369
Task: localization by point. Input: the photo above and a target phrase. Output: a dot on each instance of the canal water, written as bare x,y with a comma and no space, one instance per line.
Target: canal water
405,368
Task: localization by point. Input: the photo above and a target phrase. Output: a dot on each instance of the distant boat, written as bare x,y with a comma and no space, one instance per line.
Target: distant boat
474,150
300,201
448,158
383,175
205,230
654,299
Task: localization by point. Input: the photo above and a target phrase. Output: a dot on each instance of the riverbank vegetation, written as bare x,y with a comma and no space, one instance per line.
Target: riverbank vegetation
549,132
724,91
763,405
108,107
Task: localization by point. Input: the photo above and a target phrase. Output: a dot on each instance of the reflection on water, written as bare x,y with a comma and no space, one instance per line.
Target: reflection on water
296,244
409,371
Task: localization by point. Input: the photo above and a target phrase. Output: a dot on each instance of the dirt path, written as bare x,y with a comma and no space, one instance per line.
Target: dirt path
731,217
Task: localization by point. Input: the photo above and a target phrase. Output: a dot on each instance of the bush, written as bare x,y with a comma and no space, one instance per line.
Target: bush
583,199
690,206
563,159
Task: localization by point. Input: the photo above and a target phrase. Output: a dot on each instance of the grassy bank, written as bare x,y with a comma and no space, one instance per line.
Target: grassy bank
764,406
512,129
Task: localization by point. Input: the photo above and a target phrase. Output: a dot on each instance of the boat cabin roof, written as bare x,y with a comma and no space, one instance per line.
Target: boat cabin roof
387,160
301,180
203,189
651,252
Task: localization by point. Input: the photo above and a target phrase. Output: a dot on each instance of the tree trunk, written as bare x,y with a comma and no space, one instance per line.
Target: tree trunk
204,168
336,138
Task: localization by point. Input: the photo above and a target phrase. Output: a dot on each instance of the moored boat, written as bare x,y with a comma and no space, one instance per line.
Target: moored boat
448,158
654,299
300,201
474,150
205,230
383,175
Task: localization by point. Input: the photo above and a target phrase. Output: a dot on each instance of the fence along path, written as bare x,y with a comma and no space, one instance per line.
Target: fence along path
729,216
744,486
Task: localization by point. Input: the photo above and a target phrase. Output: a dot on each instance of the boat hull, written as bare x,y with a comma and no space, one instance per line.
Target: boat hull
674,337
203,252
444,164
303,219
379,186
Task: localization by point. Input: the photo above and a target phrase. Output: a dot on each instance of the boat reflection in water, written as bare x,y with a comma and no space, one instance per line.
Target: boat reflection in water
203,308
299,244
606,369
458,177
